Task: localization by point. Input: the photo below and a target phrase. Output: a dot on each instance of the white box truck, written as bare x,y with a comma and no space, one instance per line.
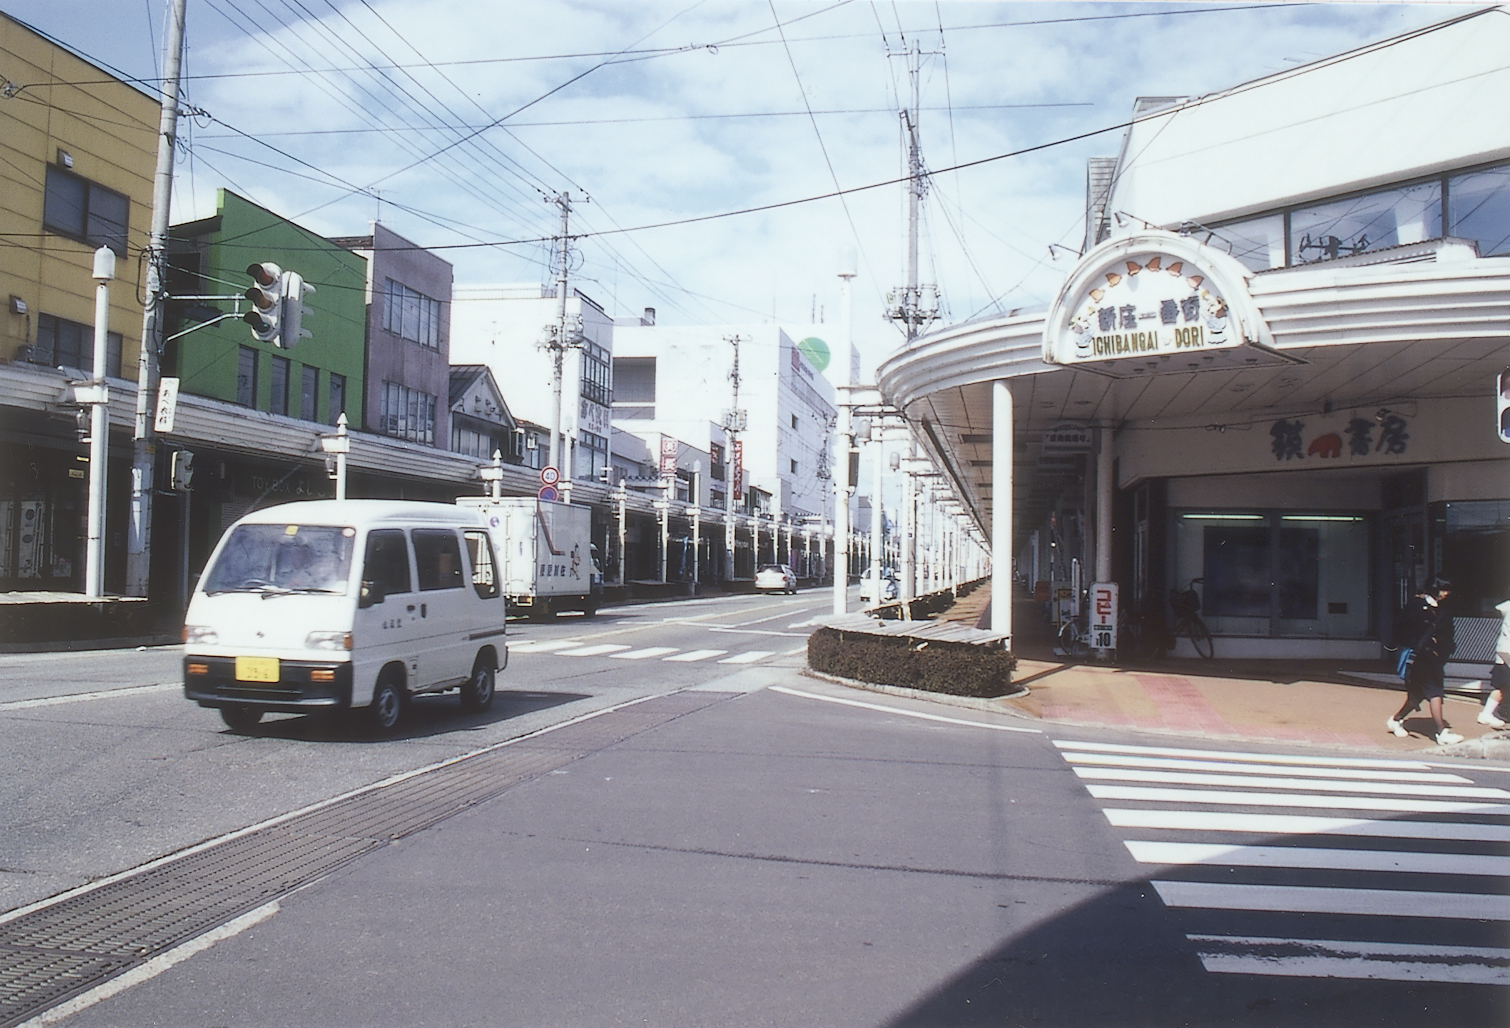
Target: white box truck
549,562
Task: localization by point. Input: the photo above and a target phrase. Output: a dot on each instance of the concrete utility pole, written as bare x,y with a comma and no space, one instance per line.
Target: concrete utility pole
844,441
560,339
734,423
144,449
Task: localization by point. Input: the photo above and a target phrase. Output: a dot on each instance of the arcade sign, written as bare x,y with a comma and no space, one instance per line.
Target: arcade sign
1153,302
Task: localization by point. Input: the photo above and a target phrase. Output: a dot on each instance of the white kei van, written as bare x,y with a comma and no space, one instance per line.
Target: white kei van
344,604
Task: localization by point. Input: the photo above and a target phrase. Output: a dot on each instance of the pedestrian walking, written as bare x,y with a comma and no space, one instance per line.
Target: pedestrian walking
1427,630
1495,712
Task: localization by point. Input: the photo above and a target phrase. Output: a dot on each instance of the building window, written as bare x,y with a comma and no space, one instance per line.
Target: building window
1258,243
246,376
309,382
473,442
411,315
1278,574
794,421
75,207
1374,221
1478,206
634,387
337,389
278,400
595,374
67,344
716,461
794,466
408,414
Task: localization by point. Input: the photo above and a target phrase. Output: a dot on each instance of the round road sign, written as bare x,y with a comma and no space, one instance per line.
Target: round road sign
549,476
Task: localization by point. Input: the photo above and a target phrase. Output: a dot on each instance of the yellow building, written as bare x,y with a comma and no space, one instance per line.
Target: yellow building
77,151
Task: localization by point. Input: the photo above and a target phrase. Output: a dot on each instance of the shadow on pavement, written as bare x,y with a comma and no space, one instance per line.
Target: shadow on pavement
424,717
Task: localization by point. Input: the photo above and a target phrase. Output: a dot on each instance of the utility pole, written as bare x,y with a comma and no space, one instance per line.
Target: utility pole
905,305
559,338
844,442
734,423
144,449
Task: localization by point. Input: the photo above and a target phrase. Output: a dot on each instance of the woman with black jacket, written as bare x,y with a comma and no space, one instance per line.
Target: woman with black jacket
1427,630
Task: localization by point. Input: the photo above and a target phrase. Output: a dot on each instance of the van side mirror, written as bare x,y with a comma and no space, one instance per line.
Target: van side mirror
373,592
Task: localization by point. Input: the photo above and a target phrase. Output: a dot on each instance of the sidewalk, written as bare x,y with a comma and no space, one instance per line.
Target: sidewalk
1301,701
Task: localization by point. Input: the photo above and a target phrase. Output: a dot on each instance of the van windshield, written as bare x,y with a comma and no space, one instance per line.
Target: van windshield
275,559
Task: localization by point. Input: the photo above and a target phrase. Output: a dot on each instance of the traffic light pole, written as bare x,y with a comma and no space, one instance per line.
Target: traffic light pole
144,447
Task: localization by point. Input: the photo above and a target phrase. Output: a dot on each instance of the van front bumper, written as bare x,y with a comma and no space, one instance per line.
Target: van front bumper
302,686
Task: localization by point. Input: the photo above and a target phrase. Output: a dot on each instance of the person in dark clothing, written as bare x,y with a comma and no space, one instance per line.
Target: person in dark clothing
1427,630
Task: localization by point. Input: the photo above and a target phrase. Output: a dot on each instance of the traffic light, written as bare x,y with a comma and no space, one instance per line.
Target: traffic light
266,294
290,328
181,471
1502,403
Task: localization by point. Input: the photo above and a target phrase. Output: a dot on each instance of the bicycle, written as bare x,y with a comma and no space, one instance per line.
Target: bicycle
1073,638
1185,603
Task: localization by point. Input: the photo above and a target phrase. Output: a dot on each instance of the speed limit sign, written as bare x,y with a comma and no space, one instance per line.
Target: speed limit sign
549,476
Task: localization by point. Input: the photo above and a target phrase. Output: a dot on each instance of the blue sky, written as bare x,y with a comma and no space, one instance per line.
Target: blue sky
454,120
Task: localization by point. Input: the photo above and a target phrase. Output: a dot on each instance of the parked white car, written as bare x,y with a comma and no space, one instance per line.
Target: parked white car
771,577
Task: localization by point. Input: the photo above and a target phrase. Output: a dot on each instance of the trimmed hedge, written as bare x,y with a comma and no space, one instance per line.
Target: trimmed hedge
957,669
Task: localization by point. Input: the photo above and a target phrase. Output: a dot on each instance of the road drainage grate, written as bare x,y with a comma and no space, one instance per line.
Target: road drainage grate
67,947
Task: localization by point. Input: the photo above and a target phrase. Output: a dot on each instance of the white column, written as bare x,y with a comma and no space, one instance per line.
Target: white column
99,427
1001,509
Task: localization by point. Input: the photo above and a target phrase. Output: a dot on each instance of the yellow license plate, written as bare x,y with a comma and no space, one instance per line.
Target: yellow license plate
256,669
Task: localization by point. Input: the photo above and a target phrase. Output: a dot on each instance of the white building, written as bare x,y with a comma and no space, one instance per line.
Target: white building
1277,357
503,326
677,381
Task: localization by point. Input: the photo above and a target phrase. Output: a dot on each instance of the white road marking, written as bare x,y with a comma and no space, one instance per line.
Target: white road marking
1264,799
80,697
647,652
1313,858
1318,785
1327,958
758,631
904,713
1370,774
692,655
592,651
1263,758
1303,824
748,657
152,968
1291,899
543,645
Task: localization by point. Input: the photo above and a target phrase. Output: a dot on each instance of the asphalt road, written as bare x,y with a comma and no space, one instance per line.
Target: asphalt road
787,851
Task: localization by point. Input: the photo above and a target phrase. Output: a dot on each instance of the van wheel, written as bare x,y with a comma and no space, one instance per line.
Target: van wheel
477,694
387,705
239,718
541,610
590,608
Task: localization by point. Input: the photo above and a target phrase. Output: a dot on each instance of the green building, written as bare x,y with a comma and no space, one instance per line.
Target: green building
314,381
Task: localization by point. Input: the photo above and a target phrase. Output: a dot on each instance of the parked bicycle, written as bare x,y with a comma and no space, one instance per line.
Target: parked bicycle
1074,637
1186,604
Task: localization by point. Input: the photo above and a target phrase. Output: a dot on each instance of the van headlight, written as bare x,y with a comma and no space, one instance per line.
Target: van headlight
201,634
328,641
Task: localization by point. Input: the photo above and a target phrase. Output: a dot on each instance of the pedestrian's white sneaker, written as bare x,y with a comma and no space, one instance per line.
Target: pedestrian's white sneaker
1486,717
1446,737
1396,728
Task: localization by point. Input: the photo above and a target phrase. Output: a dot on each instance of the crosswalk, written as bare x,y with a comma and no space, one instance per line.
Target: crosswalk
619,651
1315,867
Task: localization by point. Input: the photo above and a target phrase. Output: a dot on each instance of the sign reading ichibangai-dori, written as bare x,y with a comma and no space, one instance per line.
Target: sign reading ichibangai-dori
1156,301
